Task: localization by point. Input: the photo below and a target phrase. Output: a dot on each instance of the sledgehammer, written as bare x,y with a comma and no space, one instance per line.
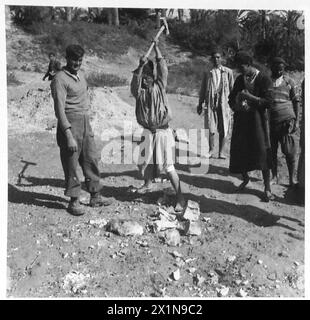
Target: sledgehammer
163,27
21,174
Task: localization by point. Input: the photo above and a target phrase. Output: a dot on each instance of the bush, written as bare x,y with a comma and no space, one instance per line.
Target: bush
11,79
98,79
99,38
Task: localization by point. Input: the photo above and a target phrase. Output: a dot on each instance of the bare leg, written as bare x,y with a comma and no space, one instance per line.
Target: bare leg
211,144
267,193
175,181
222,145
292,167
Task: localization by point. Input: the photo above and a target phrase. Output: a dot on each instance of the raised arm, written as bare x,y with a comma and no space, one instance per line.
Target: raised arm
162,69
135,84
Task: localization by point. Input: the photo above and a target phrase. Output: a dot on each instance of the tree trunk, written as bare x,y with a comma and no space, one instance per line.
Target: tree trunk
158,14
110,16
115,17
68,14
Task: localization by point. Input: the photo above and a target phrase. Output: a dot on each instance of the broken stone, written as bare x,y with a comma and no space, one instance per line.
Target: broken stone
75,282
260,261
222,292
125,227
101,243
142,243
100,223
166,214
176,275
176,254
207,220
231,258
172,237
198,280
192,228
191,270
242,293
214,279
164,224
272,276
191,211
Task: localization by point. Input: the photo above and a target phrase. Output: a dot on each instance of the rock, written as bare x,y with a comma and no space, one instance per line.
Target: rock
272,276
100,223
242,293
238,282
166,214
198,279
296,263
214,279
191,211
176,275
164,224
102,243
192,228
75,282
205,219
125,227
223,291
259,261
231,258
191,270
172,237
245,282
176,254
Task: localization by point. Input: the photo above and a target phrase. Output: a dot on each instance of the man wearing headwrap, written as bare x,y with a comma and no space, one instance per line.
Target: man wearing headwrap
75,137
153,113
215,88
284,119
250,100
53,67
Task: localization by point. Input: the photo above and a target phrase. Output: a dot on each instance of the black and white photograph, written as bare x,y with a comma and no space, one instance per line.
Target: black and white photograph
154,152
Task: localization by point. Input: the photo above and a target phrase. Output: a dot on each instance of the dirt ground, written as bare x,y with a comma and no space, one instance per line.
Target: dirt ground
247,247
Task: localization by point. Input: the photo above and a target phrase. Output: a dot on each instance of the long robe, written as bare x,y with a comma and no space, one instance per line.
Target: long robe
214,99
250,141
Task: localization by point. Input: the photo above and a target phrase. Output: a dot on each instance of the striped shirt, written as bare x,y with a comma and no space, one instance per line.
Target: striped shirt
285,94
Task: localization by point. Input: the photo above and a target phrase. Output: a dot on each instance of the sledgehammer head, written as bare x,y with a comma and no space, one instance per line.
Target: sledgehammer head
166,25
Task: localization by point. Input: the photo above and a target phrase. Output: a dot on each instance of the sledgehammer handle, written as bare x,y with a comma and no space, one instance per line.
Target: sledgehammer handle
155,39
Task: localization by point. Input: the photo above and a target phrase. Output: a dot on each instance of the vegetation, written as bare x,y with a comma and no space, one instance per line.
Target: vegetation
99,79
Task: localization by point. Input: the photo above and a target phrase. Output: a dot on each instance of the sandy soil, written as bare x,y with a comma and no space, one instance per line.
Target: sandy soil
245,243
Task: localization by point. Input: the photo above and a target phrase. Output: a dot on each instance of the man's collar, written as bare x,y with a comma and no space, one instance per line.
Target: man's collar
74,76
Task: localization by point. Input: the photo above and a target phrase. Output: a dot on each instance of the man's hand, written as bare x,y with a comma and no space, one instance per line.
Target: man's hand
143,61
155,41
296,126
245,95
199,109
71,143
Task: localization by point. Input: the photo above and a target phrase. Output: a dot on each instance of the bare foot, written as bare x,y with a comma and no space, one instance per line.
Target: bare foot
242,186
274,181
268,196
180,205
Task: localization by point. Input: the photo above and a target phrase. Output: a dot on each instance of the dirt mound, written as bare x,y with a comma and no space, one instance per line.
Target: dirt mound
34,111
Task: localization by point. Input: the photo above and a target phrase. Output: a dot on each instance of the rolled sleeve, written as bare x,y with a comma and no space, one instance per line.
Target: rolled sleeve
59,94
